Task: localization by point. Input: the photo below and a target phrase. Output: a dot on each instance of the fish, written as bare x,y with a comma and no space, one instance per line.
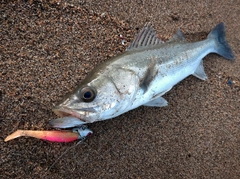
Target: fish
140,76
53,136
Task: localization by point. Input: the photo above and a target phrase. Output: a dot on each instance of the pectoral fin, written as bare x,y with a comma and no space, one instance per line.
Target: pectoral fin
200,73
158,102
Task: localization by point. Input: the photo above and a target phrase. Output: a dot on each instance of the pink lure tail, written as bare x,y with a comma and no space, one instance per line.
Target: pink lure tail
53,136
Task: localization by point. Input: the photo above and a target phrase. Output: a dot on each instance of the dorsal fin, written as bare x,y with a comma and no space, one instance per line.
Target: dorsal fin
147,36
177,37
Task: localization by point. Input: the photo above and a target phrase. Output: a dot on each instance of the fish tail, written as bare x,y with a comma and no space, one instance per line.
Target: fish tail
222,47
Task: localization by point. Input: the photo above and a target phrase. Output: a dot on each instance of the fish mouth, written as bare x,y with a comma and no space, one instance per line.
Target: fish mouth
68,118
72,117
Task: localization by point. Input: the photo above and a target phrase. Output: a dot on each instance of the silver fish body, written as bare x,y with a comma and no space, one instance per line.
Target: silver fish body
140,76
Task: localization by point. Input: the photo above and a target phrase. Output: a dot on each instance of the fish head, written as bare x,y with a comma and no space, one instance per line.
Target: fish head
89,102
81,103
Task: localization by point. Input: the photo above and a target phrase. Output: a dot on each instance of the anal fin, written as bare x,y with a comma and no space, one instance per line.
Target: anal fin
200,73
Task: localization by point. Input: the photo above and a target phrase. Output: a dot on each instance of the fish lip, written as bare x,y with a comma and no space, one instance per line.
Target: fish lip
64,112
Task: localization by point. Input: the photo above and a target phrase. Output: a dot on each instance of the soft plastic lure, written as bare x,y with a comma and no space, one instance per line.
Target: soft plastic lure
53,136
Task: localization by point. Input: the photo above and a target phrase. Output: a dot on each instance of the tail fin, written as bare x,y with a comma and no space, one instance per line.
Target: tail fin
222,47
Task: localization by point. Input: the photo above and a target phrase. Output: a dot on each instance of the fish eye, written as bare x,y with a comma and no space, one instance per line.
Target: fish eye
88,94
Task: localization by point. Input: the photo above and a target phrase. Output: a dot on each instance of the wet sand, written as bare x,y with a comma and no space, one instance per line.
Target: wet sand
47,48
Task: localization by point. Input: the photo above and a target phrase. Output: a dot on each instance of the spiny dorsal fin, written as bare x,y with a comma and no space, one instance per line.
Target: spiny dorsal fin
147,36
177,37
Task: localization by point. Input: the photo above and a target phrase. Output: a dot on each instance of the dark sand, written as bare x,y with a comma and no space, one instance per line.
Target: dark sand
46,48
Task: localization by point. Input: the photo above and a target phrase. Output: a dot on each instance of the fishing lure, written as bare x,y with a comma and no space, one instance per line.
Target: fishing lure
79,133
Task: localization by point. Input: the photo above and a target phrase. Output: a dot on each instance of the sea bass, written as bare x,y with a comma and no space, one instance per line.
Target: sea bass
140,76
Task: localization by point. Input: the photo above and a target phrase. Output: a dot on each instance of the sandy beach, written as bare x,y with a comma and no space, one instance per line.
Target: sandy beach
48,47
